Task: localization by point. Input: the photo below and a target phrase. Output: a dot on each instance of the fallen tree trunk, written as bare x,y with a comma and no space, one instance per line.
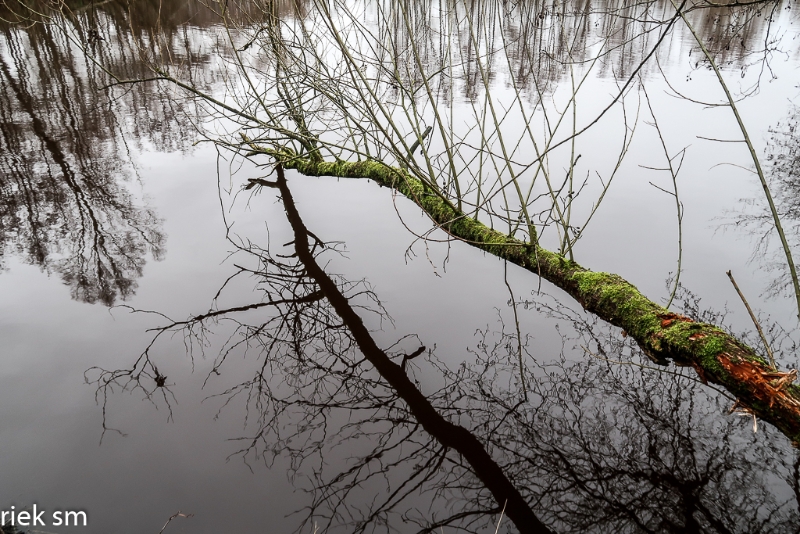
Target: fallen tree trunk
717,356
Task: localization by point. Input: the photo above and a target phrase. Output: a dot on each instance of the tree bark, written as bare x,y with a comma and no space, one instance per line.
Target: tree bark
717,356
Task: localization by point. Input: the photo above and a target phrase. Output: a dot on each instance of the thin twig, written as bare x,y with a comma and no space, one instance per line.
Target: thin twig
778,227
519,334
173,516
673,171
503,511
755,321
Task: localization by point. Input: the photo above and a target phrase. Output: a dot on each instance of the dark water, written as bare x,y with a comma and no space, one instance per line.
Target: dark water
268,419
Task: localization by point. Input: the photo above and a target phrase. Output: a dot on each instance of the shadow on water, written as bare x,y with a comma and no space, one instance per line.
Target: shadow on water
394,437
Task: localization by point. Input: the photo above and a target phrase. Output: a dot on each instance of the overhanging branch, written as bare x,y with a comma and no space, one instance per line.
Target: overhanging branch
717,356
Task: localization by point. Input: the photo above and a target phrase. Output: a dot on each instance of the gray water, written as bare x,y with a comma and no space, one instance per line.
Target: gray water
603,446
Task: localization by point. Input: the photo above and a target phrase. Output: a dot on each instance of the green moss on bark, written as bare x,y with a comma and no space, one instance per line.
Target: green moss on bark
661,334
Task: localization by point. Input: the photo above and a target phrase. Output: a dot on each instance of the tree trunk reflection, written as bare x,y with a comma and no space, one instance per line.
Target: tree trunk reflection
596,447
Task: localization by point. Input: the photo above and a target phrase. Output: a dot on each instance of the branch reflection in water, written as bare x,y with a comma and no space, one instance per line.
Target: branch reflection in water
597,447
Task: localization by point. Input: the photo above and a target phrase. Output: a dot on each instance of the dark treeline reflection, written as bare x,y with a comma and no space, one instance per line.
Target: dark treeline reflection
395,438
63,206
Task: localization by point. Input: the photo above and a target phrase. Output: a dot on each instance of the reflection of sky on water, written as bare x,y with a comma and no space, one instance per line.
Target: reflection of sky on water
51,425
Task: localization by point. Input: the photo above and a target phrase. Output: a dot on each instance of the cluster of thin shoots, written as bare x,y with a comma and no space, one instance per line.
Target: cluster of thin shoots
461,95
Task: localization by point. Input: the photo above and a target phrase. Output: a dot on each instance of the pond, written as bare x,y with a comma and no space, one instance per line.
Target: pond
187,331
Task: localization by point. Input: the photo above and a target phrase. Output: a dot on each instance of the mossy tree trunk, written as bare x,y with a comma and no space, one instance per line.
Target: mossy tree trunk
717,356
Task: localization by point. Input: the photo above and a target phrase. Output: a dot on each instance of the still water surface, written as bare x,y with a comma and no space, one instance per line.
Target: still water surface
110,202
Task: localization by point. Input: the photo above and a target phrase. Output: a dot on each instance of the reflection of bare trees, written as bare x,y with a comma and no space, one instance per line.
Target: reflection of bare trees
596,447
784,154
66,151
625,447
67,138
536,41
782,169
322,372
62,205
608,448
68,142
